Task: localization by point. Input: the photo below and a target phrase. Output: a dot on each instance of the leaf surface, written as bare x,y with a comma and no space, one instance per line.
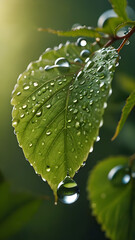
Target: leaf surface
113,205
130,103
119,7
57,113
75,32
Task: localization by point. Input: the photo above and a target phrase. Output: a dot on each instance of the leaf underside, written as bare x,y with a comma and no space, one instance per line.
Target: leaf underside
113,206
57,115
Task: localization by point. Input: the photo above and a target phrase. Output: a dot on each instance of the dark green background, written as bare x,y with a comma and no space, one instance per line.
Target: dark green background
21,43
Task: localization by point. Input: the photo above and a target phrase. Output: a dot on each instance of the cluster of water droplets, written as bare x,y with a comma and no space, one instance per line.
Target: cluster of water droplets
88,90
68,191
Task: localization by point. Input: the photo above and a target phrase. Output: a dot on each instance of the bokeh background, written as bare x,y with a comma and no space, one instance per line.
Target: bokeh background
21,43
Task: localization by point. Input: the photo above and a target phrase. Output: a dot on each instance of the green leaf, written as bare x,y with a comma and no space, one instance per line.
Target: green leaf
75,32
130,103
57,113
111,25
112,201
119,7
15,210
124,24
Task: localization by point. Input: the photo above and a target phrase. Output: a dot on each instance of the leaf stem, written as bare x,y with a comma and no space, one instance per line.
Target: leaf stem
125,39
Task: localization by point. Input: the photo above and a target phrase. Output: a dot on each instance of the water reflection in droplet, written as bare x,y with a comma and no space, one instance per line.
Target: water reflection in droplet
68,191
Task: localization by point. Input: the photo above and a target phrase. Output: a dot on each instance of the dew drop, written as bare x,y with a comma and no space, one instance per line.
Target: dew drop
44,179
111,68
48,133
89,64
62,63
77,125
119,175
127,42
75,101
117,64
26,87
101,123
18,93
102,84
85,53
91,102
105,105
33,98
98,139
80,74
77,60
24,106
100,69
83,164
35,84
22,115
68,191
110,92
75,111
48,168
91,149
48,106
81,42
14,123
48,67
39,113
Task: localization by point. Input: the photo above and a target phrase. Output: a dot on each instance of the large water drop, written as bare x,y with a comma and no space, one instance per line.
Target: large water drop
81,42
63,64
68,191
119,175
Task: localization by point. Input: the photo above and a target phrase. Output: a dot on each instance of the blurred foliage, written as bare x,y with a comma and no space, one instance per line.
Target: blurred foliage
112,199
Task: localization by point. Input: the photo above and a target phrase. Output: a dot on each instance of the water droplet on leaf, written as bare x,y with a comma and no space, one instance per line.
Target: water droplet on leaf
81,42
35,84
119,175
26,87
39,113
24,106
77,60
48,168
68,191
85,53
19,93
15,123
48,106
48,133
62,63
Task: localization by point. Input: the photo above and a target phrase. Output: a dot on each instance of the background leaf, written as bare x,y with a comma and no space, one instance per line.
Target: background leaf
130,103
126,83
119,7
111,25
75,32
15,210
57,114
113,205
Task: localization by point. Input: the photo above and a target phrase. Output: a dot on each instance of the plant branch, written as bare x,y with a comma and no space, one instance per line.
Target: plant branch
116,38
